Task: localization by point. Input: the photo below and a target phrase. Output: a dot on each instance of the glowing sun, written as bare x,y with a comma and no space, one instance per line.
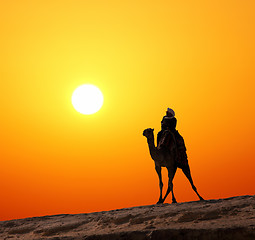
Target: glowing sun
87,99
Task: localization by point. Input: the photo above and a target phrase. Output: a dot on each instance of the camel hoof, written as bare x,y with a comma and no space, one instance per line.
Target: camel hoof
174,201
160,201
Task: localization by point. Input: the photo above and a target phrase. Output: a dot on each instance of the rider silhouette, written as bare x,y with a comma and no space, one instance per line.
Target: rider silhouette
168,123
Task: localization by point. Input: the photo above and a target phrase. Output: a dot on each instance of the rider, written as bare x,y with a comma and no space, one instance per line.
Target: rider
169,123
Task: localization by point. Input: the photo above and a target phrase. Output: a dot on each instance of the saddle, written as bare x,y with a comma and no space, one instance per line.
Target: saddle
166,142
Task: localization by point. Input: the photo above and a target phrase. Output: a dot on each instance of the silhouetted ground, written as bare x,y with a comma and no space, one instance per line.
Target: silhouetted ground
224,219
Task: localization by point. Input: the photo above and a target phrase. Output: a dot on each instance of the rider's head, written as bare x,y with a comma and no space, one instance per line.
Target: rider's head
170,112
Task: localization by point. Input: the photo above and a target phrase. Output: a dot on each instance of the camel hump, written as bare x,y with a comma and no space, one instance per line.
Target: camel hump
180,141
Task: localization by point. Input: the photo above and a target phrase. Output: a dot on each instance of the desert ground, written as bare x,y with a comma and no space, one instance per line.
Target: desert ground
230,218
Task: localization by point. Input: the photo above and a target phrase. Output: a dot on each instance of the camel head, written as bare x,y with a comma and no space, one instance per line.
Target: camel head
148,133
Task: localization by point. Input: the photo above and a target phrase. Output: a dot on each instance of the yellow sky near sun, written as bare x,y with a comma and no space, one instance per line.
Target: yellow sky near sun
194,56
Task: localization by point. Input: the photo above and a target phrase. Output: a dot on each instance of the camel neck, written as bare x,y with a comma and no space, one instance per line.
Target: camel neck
152,148
150,141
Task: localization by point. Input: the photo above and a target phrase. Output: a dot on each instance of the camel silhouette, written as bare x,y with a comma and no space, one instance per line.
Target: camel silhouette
166,157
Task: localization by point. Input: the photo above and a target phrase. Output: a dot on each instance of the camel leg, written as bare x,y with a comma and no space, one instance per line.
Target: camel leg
158,170
171,173
186,171
173,197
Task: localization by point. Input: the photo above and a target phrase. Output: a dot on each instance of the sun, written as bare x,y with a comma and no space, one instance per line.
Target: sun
87,99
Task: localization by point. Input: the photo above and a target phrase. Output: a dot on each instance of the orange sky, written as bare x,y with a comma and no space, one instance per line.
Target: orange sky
194,56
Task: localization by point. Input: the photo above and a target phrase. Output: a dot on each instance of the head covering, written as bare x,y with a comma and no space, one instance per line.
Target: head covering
171,111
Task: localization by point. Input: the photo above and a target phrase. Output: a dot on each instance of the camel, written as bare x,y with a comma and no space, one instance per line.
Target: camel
166,157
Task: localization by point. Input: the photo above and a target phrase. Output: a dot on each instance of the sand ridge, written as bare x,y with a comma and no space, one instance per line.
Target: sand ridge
230,218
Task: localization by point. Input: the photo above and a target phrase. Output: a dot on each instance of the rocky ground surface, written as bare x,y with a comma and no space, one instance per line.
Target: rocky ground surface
224,219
